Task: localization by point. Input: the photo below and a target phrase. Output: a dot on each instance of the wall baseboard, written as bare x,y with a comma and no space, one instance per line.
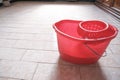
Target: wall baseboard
57,0
111,10
1,4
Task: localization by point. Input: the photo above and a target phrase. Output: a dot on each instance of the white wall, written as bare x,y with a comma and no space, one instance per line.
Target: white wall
0,1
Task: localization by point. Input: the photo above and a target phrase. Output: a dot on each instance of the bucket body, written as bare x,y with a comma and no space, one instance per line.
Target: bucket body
73,48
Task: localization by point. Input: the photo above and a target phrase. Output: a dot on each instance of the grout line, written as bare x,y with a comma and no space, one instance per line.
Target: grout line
107,66
41,62
80,73
28,32
115,44
23,55
33,32
44,50
72,64
35,71
79,65
11,78
28,39
111,50
31,49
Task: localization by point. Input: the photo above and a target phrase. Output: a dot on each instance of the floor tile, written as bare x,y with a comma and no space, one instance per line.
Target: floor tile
9,79
26,28
24,44
4,35
22,36
108,59
115,49
92,73
116,58
19,25
41,56
46,37
11,53
50,46
7,43
28,36
118,34
17,69
99,73
56,72
114,73
35,44
115,41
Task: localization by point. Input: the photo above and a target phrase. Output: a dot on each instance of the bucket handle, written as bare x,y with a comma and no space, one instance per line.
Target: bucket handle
96,53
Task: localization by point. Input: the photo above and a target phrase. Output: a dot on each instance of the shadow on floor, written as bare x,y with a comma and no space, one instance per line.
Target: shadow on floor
68,71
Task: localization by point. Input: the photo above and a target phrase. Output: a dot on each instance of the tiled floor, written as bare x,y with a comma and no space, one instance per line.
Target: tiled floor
28,46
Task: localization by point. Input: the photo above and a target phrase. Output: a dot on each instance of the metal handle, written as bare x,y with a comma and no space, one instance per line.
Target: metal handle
105,54
96,53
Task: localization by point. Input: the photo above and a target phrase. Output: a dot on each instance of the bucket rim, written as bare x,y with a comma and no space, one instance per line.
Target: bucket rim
85,39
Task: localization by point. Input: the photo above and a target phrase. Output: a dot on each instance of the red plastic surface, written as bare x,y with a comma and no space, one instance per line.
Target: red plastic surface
93,29
72,46
93,25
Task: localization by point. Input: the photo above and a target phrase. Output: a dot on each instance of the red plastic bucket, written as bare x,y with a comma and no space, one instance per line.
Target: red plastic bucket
75,48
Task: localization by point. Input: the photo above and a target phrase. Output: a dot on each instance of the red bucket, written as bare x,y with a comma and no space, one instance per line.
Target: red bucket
77,49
